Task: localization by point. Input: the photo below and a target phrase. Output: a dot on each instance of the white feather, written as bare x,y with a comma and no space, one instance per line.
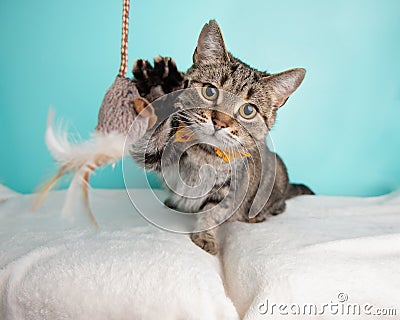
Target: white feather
81,158
100,149
70,198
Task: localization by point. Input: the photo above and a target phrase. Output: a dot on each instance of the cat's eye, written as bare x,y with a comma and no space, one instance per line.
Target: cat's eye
248,111
209,92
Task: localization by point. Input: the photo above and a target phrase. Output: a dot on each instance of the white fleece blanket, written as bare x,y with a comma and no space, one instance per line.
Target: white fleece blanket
334,251
321,250
126,270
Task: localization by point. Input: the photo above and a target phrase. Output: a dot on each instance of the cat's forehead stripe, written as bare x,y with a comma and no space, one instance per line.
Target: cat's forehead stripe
250,92
224,79
234,67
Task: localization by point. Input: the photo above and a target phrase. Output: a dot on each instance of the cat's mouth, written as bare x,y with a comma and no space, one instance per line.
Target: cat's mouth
217,138
211,139
206,132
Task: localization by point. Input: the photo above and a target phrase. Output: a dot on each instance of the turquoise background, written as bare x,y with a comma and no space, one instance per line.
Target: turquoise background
339,133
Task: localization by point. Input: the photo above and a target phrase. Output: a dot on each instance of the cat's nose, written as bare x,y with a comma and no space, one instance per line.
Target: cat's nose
218,124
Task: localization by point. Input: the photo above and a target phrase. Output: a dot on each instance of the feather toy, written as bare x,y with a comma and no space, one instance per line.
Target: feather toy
122,106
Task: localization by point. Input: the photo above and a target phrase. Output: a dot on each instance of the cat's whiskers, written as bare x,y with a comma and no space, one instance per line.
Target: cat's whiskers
194,114
194,132
186,121
231,146
241,150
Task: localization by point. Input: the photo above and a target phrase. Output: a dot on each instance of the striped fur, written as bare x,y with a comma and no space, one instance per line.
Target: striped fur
246,189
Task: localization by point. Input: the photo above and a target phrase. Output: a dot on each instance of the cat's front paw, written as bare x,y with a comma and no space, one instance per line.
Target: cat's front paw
206,241
154,82
258,218
170,204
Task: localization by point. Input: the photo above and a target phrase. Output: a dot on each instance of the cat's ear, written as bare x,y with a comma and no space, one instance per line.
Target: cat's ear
210,45
281,85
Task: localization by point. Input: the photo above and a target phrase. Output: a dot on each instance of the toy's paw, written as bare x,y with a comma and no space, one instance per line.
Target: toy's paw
145,109
154,82
206,241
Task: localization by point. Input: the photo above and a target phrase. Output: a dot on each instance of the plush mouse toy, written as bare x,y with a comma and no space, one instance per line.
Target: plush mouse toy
126,102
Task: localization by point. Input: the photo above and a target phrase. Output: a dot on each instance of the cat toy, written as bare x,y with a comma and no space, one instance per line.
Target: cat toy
122,106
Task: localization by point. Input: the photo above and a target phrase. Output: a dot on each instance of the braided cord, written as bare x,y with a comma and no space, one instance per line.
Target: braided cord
124,41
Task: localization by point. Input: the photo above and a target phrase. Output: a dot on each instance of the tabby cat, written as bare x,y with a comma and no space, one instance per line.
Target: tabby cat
212,153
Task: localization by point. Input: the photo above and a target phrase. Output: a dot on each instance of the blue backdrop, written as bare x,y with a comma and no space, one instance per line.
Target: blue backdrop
339,133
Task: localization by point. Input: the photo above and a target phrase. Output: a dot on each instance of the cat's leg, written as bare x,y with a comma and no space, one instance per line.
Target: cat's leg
149,150
275,204
276,208
295,190
170,204
208,222
258,218
276,201
207,240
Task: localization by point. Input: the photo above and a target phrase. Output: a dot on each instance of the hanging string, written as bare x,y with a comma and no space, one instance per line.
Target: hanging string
124,41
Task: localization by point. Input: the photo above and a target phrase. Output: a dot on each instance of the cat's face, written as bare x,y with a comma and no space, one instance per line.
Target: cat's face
233,104
220,118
